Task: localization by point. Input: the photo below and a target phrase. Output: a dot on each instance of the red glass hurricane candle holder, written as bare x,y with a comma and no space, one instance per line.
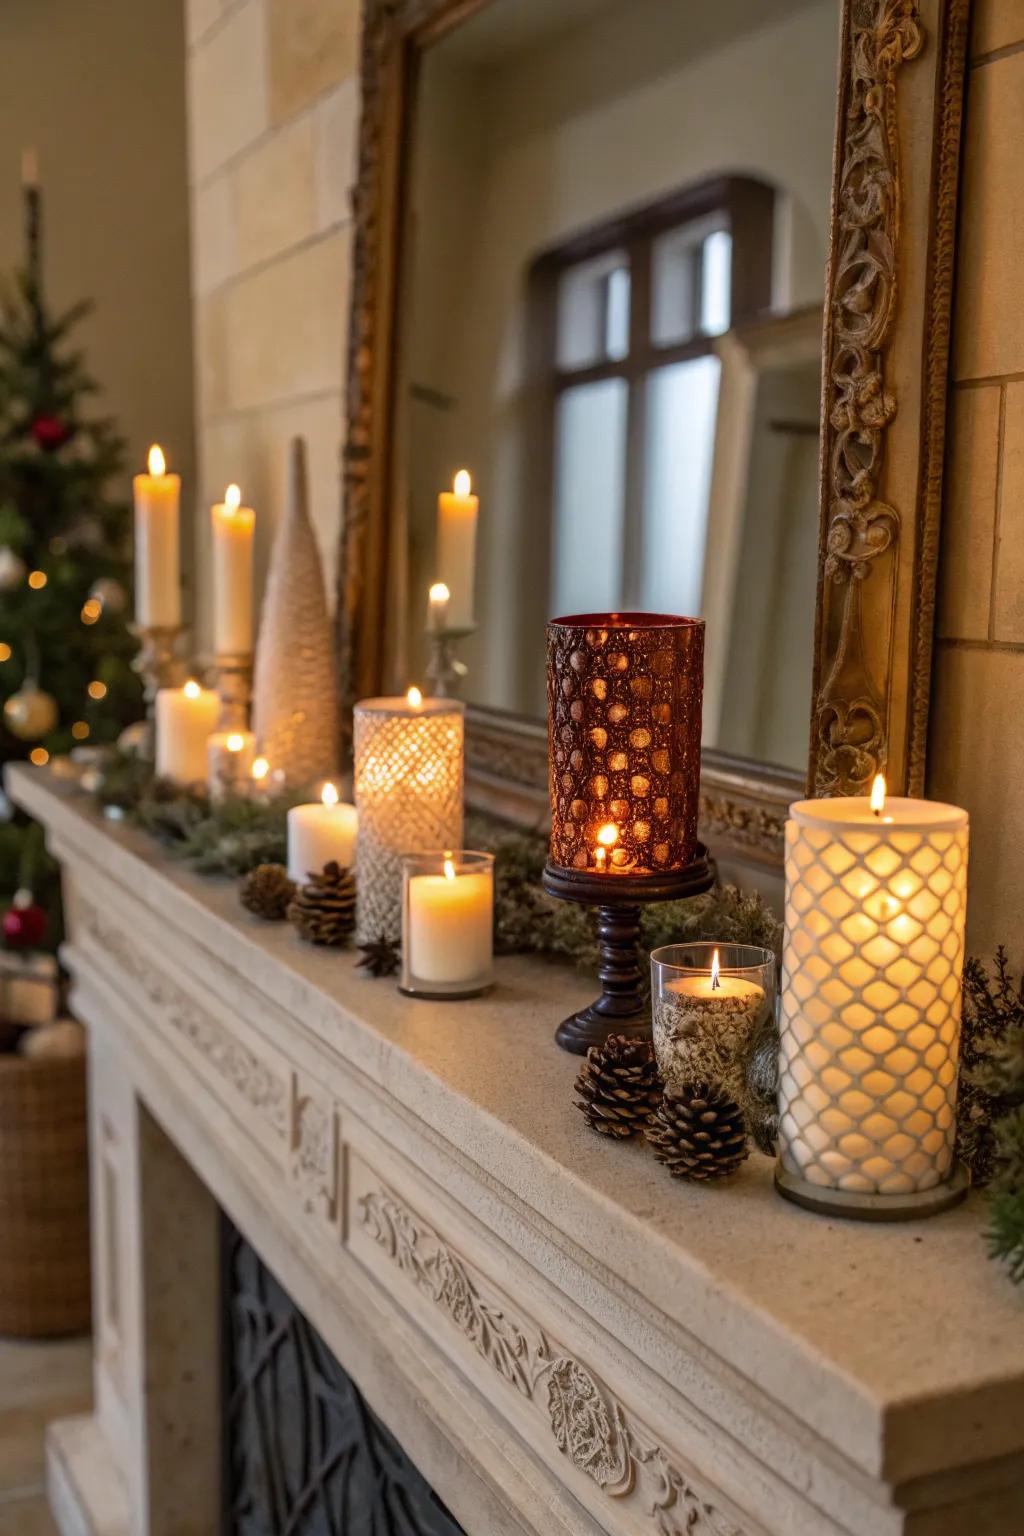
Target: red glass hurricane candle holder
624,721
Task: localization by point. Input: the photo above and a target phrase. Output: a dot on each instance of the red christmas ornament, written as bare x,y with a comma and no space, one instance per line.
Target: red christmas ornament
50,432
25,926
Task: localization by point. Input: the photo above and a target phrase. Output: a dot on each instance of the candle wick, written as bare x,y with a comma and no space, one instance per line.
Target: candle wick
716,982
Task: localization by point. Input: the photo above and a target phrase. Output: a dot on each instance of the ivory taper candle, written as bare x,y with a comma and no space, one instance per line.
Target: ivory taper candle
157,545
233,527
457,513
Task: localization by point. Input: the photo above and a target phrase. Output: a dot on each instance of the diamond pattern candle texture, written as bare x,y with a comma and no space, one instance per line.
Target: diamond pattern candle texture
871,971
408,788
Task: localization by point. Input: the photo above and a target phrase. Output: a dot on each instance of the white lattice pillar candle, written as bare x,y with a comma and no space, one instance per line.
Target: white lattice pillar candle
408,787
876,894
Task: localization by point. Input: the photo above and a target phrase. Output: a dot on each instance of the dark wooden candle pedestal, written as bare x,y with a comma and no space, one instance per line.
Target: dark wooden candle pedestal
624,1005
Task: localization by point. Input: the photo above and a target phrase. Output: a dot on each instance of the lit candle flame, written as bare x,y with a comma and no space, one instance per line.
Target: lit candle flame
878,794
329,795
462,484
192,689
232,498
157,462
260,768
439,593
608,836
715,981
414,698
235,742
449,870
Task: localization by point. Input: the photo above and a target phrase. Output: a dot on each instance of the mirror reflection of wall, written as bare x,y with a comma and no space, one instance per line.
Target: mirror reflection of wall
605,199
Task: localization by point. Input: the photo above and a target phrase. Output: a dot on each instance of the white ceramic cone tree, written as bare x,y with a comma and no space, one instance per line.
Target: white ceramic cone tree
295,706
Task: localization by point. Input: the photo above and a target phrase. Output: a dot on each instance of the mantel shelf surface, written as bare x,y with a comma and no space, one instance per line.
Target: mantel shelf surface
899,1347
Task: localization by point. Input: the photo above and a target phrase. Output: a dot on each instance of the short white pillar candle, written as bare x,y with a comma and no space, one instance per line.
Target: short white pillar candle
876,897
185,718
448,924
319,833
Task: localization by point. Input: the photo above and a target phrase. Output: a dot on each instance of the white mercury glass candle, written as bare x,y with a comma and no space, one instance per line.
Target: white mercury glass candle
448,924
457,512
229,759
876,896
319,833
157,549
708,1002
233,526
185,719
408,786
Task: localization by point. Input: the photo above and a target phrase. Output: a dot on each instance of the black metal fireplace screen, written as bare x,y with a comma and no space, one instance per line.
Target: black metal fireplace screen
303,1454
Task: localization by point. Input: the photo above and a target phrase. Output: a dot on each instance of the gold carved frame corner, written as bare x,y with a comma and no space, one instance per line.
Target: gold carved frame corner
885,361
888,304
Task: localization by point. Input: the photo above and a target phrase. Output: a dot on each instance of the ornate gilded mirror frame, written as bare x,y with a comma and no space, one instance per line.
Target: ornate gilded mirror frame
885,359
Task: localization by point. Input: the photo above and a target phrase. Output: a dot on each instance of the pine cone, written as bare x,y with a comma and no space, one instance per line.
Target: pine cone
324,909
698,1132
380,956
267,891
618,1086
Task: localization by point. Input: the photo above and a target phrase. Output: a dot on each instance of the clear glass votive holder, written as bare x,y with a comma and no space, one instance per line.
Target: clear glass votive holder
447,923
709,1001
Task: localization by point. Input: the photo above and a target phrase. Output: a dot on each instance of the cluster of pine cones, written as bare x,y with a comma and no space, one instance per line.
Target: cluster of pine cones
697,1131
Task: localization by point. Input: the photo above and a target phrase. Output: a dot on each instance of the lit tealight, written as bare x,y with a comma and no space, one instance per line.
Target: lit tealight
192,689
414,698
329,795
607,837
156,462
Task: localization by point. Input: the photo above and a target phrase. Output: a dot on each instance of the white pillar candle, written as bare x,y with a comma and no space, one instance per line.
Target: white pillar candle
876,896
457,512
319,833
233,527
408,786
157,549
448,937
185,719
229,761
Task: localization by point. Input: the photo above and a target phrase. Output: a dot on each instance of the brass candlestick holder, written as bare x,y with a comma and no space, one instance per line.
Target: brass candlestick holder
624,719
159,663
445,670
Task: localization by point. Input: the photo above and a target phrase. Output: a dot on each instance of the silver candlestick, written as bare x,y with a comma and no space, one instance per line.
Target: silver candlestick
159,663
444,669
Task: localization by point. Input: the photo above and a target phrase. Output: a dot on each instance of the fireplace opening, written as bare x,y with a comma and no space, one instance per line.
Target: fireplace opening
303,1453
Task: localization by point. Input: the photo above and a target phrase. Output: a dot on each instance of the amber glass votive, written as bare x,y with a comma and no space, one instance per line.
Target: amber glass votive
624,721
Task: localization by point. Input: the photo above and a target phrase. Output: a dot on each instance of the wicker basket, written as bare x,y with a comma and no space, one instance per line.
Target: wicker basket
44,1197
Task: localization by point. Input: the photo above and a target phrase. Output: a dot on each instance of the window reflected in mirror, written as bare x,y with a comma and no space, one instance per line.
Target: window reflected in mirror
615,227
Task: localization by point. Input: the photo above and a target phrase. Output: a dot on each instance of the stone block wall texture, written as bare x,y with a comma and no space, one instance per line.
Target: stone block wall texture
976,747
273,111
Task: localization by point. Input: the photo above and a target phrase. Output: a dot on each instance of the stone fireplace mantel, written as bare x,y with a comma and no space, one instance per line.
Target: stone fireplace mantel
565,1341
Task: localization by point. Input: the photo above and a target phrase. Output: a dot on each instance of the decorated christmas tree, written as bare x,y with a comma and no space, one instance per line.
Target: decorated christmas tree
65,548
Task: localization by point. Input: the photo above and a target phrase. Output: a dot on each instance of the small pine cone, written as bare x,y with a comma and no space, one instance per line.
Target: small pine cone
380,957
267,890
618,1086
698,1132
323,911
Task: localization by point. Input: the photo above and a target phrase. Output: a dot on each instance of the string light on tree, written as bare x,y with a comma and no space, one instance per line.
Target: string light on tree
96,689
37,580
92,608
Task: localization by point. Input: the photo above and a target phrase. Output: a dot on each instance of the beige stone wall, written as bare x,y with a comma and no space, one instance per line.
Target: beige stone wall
273,106
977,730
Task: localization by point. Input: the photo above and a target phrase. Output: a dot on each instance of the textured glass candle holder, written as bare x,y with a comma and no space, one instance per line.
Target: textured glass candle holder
447,923
624,719
408,793
703,1032
870,1014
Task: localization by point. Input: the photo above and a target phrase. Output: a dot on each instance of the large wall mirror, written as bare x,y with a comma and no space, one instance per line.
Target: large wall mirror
599,264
